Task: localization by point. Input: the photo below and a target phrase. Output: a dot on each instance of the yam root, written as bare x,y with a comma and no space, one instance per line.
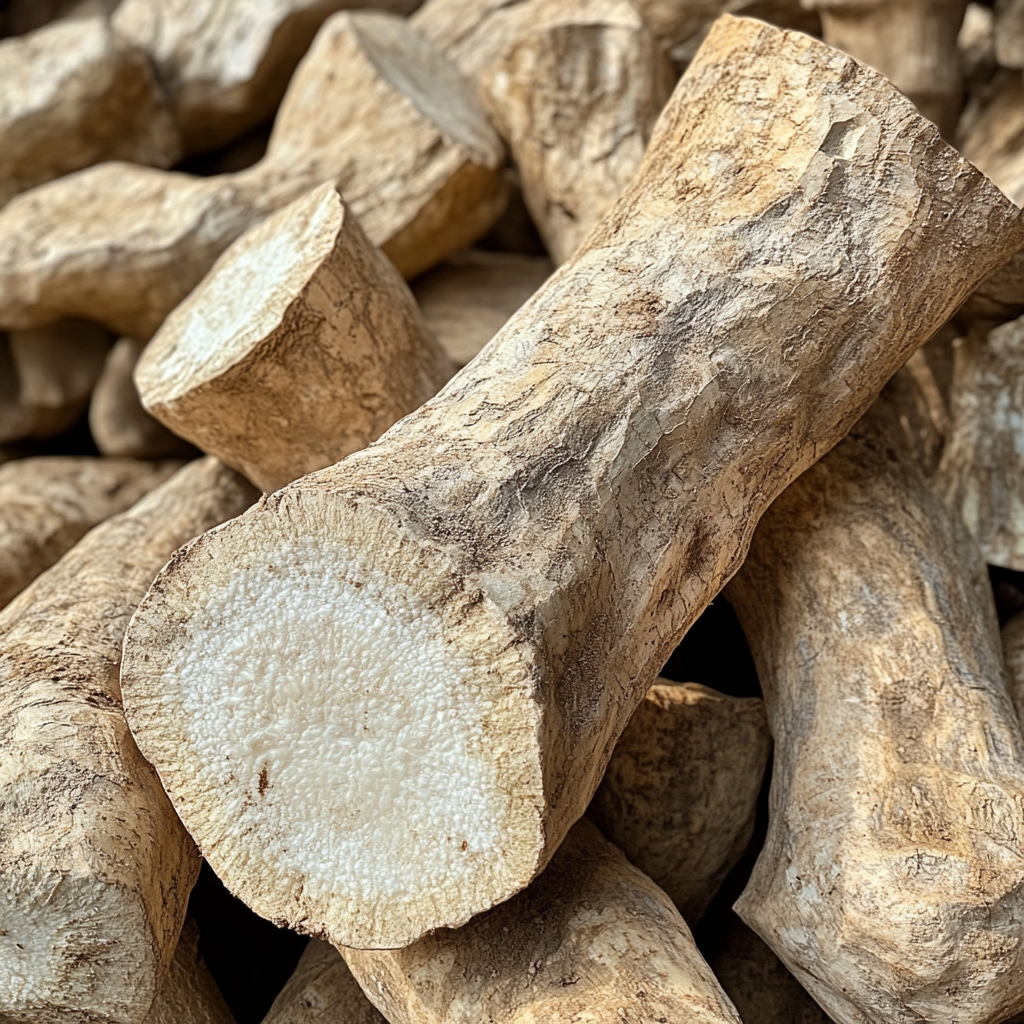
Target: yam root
96,869
226,65
302,345
322,990
892,879
72,94
123,245
981,475
1013,654
593,938
526,549
189,995
48,503
56,369
469,297
680,793
119,424
912,42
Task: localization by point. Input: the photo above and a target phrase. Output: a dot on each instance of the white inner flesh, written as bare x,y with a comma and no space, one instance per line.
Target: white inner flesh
243,298
365,726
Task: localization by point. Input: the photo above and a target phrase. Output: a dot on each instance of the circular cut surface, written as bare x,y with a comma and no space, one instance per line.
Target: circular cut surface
242,299
327,741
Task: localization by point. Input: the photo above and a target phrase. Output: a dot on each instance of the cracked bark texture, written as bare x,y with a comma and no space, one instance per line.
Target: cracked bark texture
322,990
891,882
123,245
680,793
282,371
72,94
95,866
574,498
592,939
981,475
48,503
226,63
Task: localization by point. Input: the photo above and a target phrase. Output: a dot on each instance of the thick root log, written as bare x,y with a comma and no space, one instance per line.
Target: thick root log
526,549
75,93
95,867
123,245
680,794
48,504
301,346
892,879
592,938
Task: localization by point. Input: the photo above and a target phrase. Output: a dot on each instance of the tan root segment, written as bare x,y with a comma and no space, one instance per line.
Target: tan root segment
226,63
322,990
75,93
95,867
593,938
301,346
123,245
892,879
469,297
527,548
49,503
680,793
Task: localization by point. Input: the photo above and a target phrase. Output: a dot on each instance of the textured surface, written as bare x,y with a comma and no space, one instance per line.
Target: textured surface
123,245
94,865
117,421
302,345
226,63
1013,655
681,789
592,939
981,475
48,503
565,508
892,879
189,995
73,94
322,991
467,299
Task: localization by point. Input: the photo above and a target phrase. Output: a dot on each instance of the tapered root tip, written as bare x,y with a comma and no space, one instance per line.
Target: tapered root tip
350,737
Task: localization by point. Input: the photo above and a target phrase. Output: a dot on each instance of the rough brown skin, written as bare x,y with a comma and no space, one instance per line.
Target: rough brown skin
892,878
322,991
563,534
48,503
469,297
56,369
123,245
96,868
1013,654
680,793
189,995
302,345
226,65
592,939
912,42
117,421
75,93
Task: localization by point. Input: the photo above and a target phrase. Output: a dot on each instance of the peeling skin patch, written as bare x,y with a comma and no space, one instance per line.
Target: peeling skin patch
360,730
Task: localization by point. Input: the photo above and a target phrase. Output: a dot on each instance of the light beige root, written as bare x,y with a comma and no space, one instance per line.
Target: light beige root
302,345
892,879
73,94
545,530
469,297
95,866
189,995
593,938
119,424
680,794
48,503
123,245
322,990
